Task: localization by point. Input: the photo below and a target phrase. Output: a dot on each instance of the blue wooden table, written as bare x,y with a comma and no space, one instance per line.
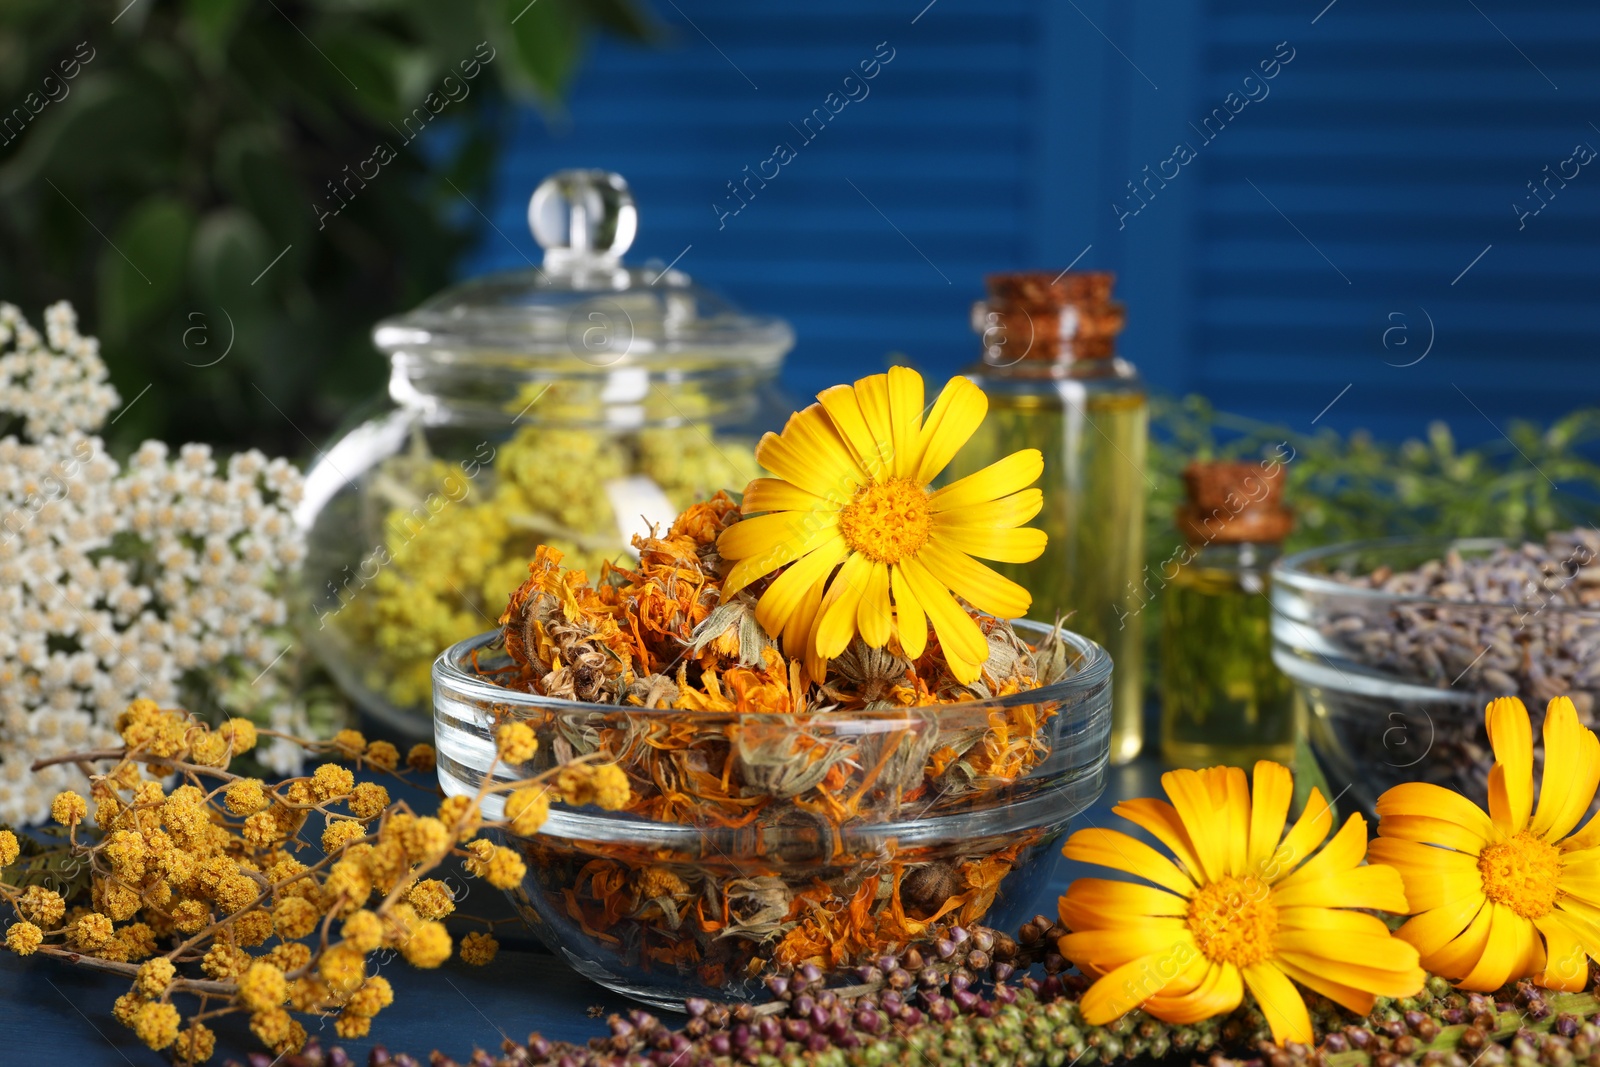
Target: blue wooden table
54,1014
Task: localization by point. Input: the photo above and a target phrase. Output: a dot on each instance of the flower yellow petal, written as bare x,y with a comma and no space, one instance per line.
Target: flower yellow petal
959,635
1404,982
1343,853
1309,831
1376,887
766,546
1008,511
911,622
1280,1002
1230,795
1566,959
1121,989
1430,931
872,454
1002,546
1107,949
1571,771
1383,952
1218,994
1504,952
873,617
1271,792
1162,822
1433,876
778,604
1581,881
775,494
1114,849
797,633
1460,953
1333,921
1105,903
837,623
1000,478
811,454
1511,778
956,415
1192,800
1430,831
905,421
981,586
1424,800
872,393
1313,978
1189,971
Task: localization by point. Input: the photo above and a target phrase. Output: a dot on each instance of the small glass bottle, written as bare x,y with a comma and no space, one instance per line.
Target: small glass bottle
1056,383
1222,699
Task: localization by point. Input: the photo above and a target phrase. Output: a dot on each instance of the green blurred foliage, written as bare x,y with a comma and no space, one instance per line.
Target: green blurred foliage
1530,481
155,157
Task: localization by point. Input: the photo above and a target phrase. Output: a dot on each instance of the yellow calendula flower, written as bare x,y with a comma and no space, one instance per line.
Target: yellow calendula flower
1244,906
1507,894
852,493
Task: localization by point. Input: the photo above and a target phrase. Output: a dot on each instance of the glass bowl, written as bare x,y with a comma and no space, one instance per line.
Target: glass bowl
661,905
1396,685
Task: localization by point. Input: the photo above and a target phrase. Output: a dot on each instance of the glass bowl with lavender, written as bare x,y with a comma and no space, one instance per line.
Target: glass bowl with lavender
1395,646
772,823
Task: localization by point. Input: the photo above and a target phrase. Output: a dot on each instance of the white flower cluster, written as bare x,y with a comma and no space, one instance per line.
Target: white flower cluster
56,389
115,583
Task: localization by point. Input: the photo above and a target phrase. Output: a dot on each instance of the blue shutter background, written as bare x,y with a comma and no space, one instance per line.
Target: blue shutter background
1316,243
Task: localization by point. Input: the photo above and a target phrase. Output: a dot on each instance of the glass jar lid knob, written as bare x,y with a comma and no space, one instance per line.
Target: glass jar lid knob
582,219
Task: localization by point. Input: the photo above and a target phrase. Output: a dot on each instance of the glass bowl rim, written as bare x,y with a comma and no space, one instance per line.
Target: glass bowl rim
1290,571
1094,669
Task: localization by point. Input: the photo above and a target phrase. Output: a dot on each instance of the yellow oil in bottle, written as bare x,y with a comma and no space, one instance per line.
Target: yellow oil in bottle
1093,441
1055,383
1222,699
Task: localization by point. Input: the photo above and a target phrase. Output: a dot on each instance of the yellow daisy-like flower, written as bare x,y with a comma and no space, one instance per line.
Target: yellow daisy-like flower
867,547
1508,894
1244,906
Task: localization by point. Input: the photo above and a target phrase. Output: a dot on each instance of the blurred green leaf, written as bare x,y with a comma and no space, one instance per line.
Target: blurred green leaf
231,251
544,41
142,269
206,137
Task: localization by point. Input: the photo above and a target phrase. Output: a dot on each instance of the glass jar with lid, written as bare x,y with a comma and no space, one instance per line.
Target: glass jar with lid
573,404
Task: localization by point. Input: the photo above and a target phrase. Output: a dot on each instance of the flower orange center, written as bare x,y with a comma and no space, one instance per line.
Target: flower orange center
1523,873
887,521
1234,920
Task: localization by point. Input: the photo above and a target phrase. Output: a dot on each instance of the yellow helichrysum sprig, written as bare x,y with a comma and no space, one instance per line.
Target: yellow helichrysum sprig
199,893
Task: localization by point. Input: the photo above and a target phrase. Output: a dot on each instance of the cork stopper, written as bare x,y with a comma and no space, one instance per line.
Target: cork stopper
1036,315
1234,502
